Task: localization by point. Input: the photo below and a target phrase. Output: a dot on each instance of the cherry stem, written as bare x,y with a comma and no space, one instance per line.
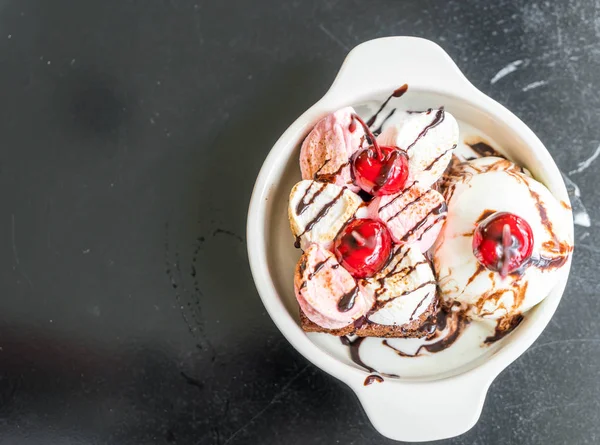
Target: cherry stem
369,135
506,250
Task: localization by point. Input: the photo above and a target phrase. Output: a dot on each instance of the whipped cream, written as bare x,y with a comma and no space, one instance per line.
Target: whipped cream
403,290
317,211
475,190
326,292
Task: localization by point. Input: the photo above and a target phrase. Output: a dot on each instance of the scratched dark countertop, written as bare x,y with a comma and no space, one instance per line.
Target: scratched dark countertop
131,134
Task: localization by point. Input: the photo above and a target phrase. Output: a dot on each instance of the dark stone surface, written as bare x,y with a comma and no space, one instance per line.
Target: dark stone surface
131,134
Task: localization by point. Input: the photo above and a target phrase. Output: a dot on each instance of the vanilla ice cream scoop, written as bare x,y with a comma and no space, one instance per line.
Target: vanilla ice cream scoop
326,151
429,138
326,292
475,190
318,210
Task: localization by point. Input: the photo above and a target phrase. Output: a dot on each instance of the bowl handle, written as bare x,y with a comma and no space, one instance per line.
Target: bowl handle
424,411
387,63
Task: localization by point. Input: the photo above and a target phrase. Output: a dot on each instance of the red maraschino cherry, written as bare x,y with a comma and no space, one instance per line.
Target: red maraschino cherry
379,170
363,247
503,242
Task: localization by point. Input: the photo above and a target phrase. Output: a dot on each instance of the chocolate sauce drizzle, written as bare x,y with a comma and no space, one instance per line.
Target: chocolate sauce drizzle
418,305
329,177
302,204
372,379
318,267
319,216
480,269
405,271
389,162
348,299
378,130
482,149
431,226
430,166
394,269
437,120
397,93
321,168
504,327
427,111
560,248
414,201
458,321
439,209
380,304
354,346
485,215
399,195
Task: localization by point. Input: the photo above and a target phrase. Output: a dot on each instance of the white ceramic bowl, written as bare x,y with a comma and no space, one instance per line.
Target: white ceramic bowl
400,409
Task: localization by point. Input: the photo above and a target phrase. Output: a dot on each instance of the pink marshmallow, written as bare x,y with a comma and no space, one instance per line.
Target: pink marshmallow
326,151
413,216
326,292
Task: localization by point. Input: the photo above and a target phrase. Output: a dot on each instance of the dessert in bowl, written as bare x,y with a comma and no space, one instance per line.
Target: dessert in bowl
430,237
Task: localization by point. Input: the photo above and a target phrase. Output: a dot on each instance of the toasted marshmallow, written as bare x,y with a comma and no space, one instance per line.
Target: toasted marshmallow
318,211
404,289
429,138
413,216
326,292
479,188
326,151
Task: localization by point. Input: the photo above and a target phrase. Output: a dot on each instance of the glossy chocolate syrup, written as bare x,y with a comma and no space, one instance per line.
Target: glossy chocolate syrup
319,216
329,177
483,149
366,197
418,306
318,267
380,304
437,120
302,204
399,195
397,93
431,226
503,328
321,167
480,269
347,300
413,202
354,346
378,130
485,215
387,168
372,379
427,111
441,208
430,166
456,325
